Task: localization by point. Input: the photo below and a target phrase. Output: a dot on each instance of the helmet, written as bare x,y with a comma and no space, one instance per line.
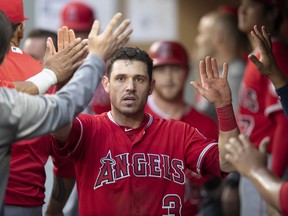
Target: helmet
168,52
77,16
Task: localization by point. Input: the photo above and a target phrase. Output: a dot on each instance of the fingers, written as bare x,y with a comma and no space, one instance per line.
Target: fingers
124,37
71,34
197,86
209,70
48,51
79,52
255,61
60,39
74,47
263,145
234,146
214,68
245,141
267,37
95,29
202,71
53,50
262,39
64,37
122,27
66,40
225,71
112,23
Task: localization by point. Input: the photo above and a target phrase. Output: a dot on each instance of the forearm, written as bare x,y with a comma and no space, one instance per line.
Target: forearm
39,115
278,78
224,136
27,87
62,188
228,129
268,185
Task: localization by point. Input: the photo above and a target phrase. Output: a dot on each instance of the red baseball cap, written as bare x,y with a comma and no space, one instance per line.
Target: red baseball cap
77,16
14,10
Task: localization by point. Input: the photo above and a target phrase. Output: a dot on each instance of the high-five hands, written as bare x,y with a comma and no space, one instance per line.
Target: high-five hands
213,87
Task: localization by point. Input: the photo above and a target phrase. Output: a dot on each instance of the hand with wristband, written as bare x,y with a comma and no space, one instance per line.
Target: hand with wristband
59,67
215,89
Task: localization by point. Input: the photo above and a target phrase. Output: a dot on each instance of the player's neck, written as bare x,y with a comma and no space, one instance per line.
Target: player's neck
131,121
174,109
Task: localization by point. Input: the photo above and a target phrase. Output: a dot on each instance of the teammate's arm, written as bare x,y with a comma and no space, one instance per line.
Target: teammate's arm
251,163
216,89
267,65
62,188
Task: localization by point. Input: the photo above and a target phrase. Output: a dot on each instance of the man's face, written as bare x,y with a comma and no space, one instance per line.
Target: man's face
205,39
169,81
35,47
250,13
128,87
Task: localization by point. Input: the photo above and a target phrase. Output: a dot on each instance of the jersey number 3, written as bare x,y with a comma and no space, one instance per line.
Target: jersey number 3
172,203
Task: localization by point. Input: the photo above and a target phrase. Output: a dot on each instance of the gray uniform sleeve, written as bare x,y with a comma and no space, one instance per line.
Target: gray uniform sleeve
25,116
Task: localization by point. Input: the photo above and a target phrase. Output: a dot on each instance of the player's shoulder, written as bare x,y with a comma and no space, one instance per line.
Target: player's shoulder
92,117
193,113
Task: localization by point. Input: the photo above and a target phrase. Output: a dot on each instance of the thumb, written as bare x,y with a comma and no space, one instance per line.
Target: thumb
255,61
195,85
263,145
49,49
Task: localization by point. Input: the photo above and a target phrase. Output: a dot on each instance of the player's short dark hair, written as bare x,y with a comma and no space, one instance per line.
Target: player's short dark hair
43,33
5,35
132,54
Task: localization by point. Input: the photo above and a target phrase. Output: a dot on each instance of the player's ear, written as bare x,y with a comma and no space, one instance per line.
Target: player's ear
152,85
105,83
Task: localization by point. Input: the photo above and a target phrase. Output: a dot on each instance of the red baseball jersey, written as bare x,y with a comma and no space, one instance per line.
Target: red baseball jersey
6,84
208,127
284,199
124,171
26,184
260,111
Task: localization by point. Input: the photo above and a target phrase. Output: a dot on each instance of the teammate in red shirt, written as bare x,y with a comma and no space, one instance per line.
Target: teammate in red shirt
170,71
248,162
27,175
260,111
135,160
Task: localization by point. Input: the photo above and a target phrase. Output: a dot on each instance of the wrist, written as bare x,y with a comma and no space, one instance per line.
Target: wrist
44,80
226,118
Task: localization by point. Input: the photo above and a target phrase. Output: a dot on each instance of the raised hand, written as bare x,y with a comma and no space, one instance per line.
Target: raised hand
266,64
213,87
69,57
105,44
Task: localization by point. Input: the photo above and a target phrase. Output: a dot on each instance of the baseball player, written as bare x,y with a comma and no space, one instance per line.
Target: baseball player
260,112
170,71
242,154
54,109
133,159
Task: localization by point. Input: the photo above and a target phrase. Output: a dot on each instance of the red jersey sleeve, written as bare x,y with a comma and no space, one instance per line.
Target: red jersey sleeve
284,199
63,167
6,84
204,153
73,146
